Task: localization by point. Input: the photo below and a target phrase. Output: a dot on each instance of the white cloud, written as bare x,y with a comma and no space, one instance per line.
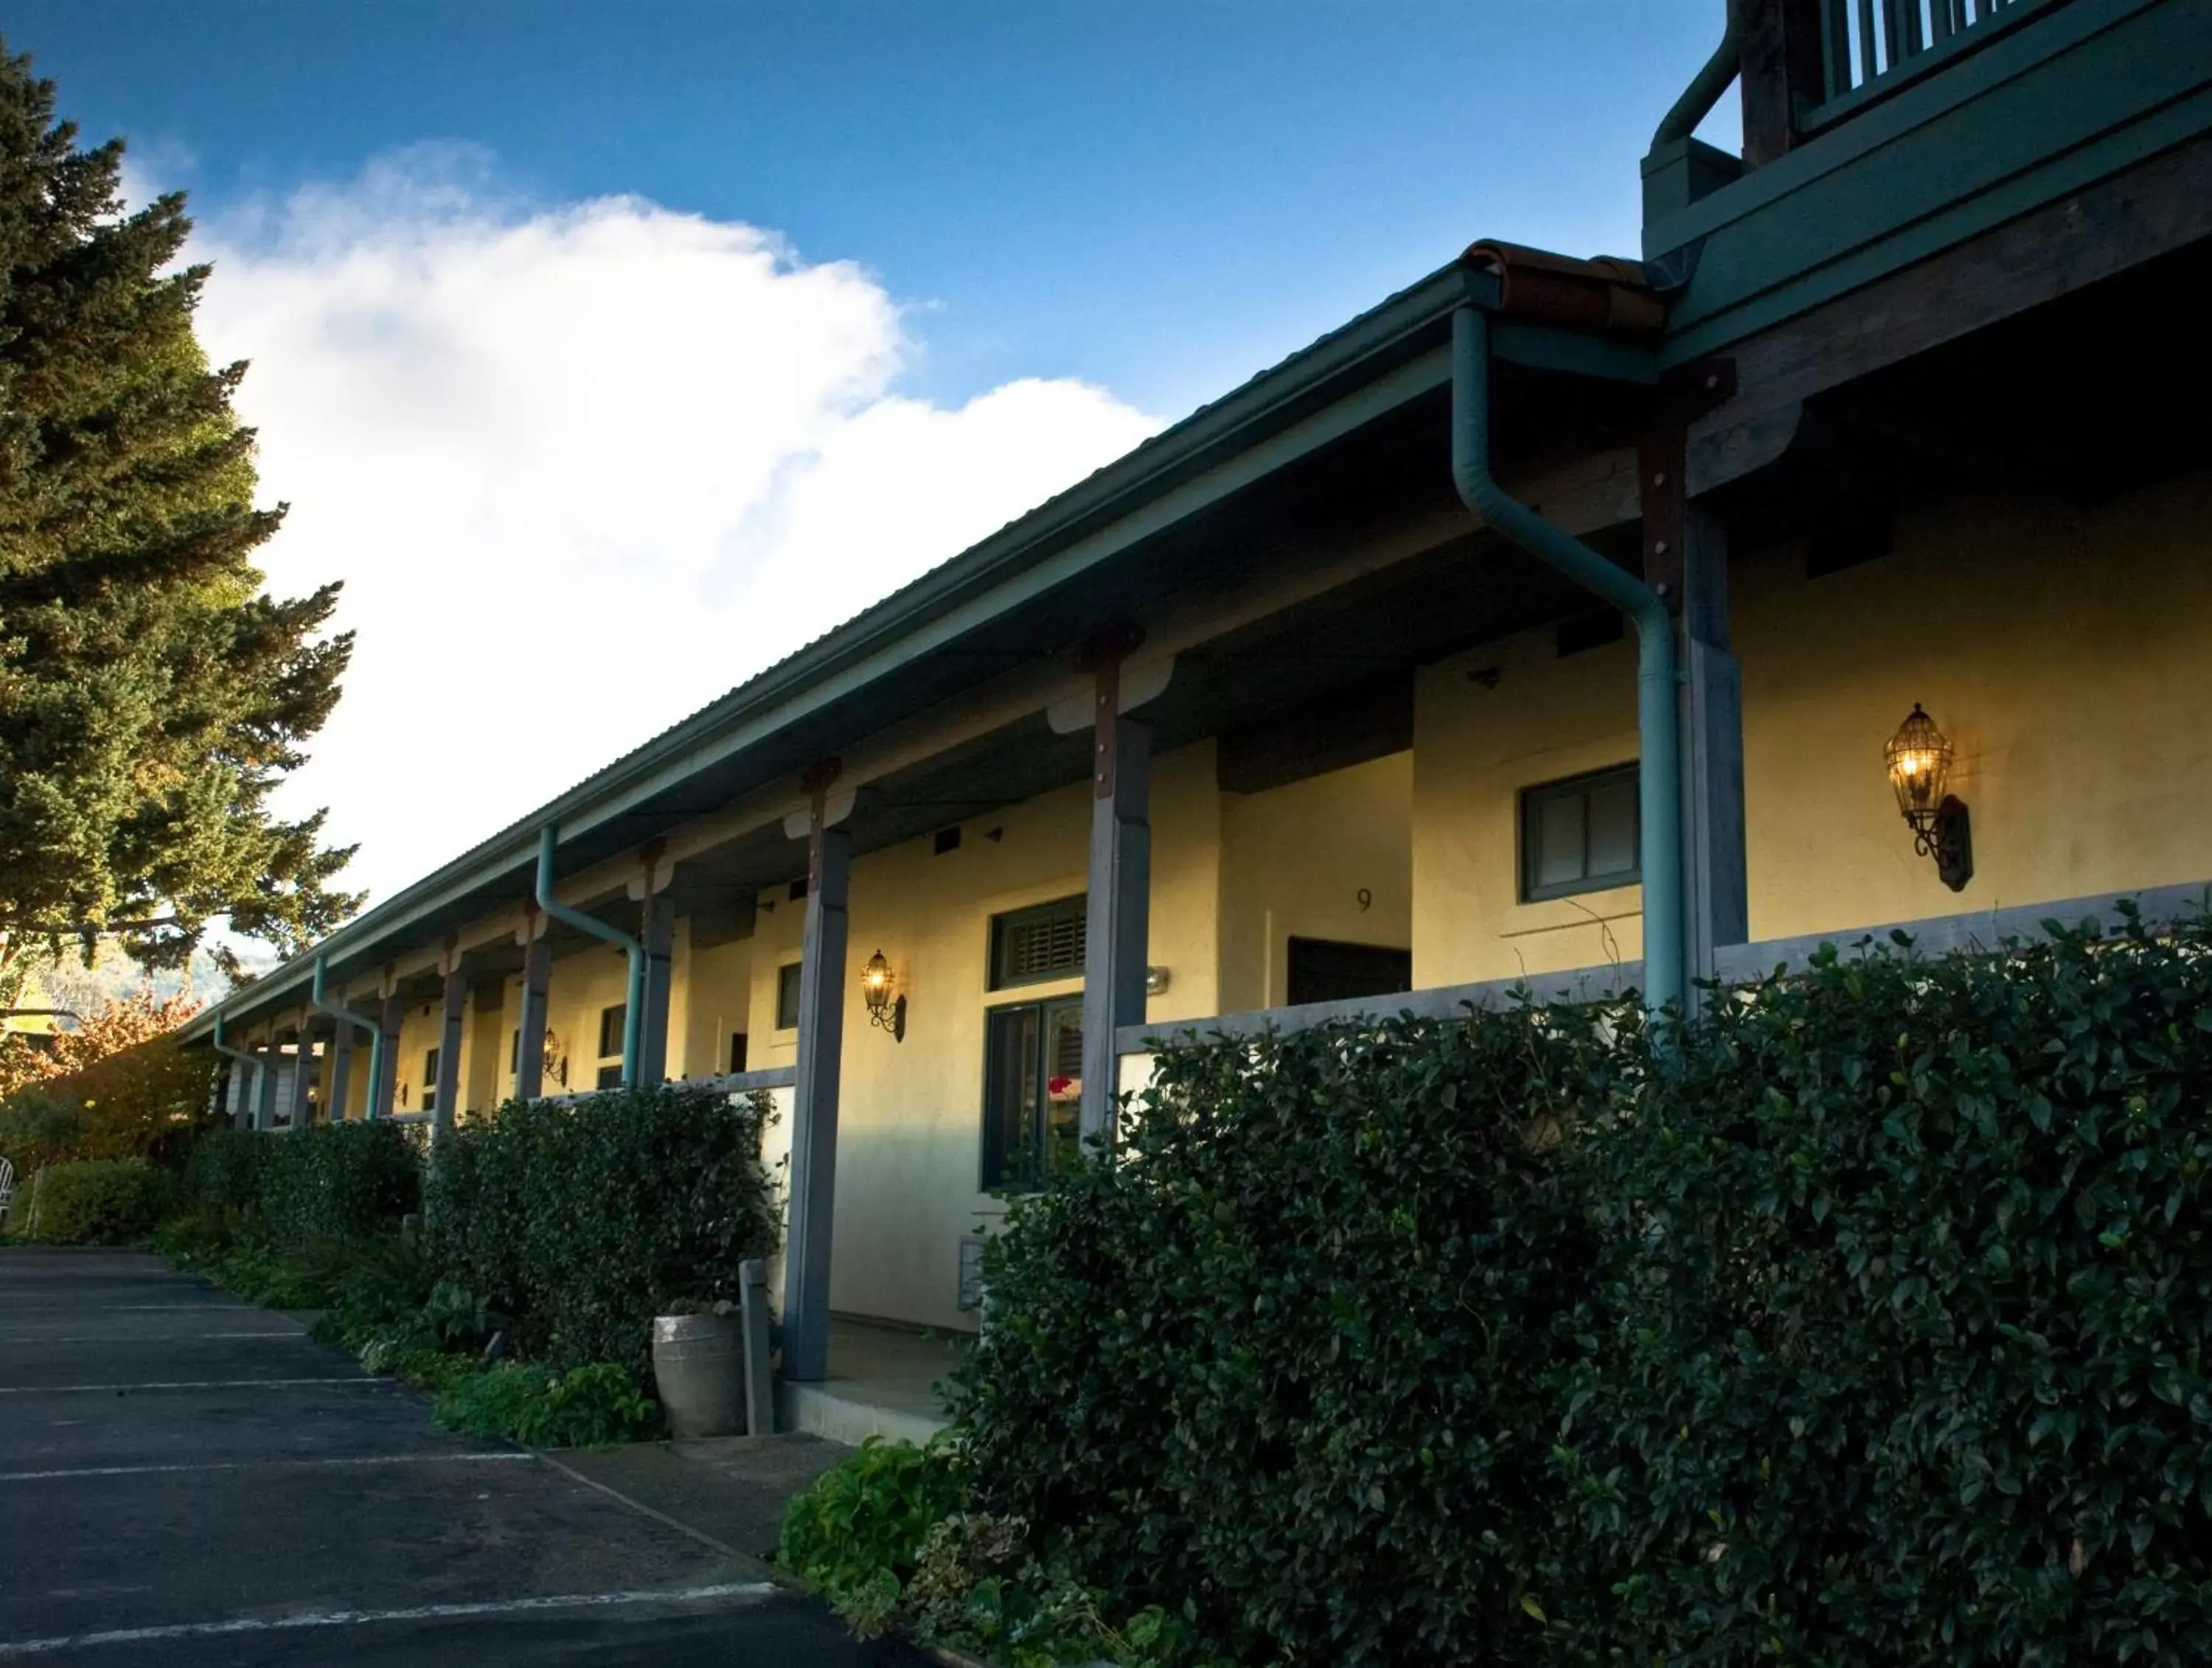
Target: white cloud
582,470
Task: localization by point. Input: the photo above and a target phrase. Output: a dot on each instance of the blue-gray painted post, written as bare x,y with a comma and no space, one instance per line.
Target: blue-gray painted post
814,1111
1716,906
657,933
530,1046
244,1081
341,1072
264,1086
448,1085
298,1107
383,1092
1118,907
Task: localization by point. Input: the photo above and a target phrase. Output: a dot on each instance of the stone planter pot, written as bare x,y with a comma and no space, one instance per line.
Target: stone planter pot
699,1368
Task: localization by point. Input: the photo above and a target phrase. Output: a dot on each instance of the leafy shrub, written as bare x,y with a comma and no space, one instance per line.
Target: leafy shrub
1285,1362
857,1533
340,1181
1866,1323
1906,1310
226,1173
580,1222
597,1402
97,1201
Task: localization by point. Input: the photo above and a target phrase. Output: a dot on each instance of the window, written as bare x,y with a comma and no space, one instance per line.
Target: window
1579,835
1032,1092
1033,944
786,996
430,1080
737,1051
610,1076
514,1052
1324,971
612,1020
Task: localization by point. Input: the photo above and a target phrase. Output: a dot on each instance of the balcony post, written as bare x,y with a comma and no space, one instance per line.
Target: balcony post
1784,75
814,1110
341,1072
1118,901
536,980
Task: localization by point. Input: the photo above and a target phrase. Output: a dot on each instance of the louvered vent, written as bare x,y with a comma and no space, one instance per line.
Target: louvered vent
1031,946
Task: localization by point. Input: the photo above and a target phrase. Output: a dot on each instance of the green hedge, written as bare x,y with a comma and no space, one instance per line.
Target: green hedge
1868,1325
580,1222
96,1202
226,1172
340,1181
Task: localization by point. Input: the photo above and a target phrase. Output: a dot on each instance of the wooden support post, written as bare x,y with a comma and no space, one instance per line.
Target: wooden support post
814,1110
240,1090
298,1108
264,1086
383,1092
1717,904
753,1326
1118,907
657,933
1685,556
537,979
341,1072
454,1016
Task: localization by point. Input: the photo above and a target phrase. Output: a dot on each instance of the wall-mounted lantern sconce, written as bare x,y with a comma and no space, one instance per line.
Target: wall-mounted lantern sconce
885,1011
1156,980
1919,761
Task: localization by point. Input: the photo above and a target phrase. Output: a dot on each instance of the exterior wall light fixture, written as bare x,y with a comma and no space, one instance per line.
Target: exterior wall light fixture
886,1012
1919,760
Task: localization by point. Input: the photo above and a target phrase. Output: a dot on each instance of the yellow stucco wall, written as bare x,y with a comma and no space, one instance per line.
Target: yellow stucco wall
1294,861
2067,655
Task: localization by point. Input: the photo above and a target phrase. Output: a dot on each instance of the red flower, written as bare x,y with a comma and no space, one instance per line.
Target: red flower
1059,1086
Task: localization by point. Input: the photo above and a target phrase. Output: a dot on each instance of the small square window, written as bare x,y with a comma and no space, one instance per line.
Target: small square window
786,996
1580,834
612,1021
609,1077
1028,946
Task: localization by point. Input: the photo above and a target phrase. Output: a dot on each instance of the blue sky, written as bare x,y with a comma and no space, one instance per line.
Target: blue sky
1159,196
691,328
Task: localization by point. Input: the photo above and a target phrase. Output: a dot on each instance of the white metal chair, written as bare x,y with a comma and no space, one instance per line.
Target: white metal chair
7,1190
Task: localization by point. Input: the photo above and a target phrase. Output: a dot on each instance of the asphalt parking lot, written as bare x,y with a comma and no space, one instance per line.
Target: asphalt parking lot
186,1479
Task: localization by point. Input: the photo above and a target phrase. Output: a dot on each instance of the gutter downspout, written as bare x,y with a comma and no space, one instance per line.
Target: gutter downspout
1706,87
1659,742
247,1102
633,1010
352,1016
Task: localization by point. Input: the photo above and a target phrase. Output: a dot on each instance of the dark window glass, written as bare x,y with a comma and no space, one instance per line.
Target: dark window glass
430,1080
737,1051
1325,972
1030,946
1032,1092
786,996
609,1077
514,1051
1579,835
611,1020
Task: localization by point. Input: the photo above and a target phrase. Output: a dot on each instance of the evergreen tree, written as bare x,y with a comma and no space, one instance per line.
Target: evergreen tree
151,696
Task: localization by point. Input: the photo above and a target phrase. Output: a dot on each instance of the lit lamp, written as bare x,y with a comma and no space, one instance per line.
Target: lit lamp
885,1011
1919,760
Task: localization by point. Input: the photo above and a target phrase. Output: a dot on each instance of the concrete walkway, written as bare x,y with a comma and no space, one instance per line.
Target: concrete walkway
186,1479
